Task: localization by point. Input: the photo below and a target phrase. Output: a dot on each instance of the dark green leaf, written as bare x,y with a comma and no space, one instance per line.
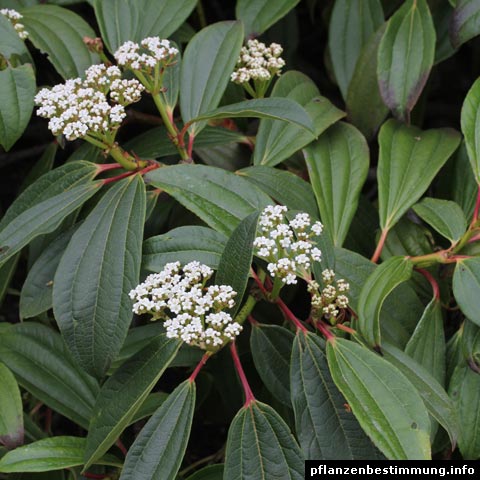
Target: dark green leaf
7,271
471,341
158,450
260,445
42,166
221,199
470,126
466,287
123,394
149,406
12,45
442,13
11,409
386,404
212,472
409,42
338,166
465,22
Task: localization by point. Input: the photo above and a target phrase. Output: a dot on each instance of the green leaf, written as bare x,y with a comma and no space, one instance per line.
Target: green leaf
283,186
409,41
220,198
48,454
445,216
427,344
11,410
260,445
324,426
436,400
97,271
352,23
171,78
59,33
7,271
158,450
12,46
470,121
386,404
42,365
258,15
184,244
41,167
338,166
208,61
212,472
277,140
277,108
471,341
271,347
465,21
149,406
409,160
374,292
17,89
236,259
466,287
464,390
123,394
365,107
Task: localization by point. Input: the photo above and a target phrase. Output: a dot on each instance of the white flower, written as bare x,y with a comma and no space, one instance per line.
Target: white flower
14,18
326,301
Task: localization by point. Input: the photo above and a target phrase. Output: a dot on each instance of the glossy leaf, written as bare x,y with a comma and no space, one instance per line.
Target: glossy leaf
43,366
405,57
470,121
271,347
352,23
123,394
465,21
324,426
97,271
374,292
427,344
438,404
445,216
11,410
260,445
466,287
17,89
59,33
184,244
338,166
48,454
276,140
220,198
207,63
158,450
407,238
258,15
409,160
386,404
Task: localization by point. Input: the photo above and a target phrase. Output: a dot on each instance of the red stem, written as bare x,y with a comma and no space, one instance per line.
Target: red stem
259,282
152,166
201,363
249,397
381,243
474,238
108,166
325,331
477,207
349,330
432,281
289,314
121,446
191,139
252,320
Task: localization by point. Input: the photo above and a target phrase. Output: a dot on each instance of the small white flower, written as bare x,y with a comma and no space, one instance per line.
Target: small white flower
14,18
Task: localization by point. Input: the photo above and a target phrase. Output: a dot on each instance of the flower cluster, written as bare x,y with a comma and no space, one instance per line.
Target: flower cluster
288,247
258,62
14,18
79,107
146,55
327,301
192,311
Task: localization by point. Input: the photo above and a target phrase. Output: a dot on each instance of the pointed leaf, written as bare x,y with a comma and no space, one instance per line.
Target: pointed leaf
11,410
42,166
409,160
374,292
466,287
351,25
220,198
276,140
465,21
386,404
338,166
12,44
158,450
260,445
123,394
97,271
208,61
409,41
324,426
470,121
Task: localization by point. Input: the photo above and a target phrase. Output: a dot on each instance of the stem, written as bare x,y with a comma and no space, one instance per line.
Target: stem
380,245
201,15
259,282
249,397
477,207
252,320
122,447
108,166
125,159
191,139
96,142
325,331
277,286
106,181
289,314
475,238
432,281
94,475
349,330
246,310
201,363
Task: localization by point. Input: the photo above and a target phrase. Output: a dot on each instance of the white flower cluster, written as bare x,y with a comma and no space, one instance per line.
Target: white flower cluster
288,247
146,55
258,62
192,312
78,106
328,301
14,18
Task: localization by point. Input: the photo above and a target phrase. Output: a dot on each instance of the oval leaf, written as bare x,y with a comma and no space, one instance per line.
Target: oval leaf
465,21
11,410
466,287
212,472
470,121
386,404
